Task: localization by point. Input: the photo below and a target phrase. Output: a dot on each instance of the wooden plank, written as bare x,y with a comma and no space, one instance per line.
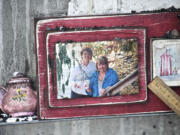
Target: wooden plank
166,94
156,23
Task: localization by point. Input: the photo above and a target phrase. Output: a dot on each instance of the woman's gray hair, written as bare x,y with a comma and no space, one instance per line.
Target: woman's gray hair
87,49
102,60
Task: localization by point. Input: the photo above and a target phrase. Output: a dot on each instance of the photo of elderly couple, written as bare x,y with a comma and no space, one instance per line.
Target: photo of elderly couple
91,69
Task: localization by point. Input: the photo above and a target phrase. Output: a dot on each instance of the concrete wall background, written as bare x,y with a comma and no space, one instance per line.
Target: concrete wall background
17,42
93,7
17,53
151,125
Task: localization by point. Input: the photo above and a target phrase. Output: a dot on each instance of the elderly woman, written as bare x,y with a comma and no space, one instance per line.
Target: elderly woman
81,74
102,79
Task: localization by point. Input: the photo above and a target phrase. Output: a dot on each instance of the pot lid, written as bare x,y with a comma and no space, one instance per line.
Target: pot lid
18,78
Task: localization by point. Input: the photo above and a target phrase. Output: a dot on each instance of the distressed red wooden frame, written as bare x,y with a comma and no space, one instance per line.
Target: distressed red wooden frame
92,36
157,24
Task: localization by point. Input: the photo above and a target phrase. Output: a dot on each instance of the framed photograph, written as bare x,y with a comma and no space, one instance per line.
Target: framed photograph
125,55
53,35
165,60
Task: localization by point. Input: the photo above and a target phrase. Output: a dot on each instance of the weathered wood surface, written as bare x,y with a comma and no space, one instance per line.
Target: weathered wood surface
157,25
166,94
96,35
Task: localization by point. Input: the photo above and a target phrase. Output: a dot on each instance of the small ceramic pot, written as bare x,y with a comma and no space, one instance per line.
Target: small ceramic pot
2,93
20,99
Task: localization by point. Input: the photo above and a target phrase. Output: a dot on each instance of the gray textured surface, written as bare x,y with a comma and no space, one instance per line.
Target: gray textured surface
149,125
17,43
17,53
93,7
